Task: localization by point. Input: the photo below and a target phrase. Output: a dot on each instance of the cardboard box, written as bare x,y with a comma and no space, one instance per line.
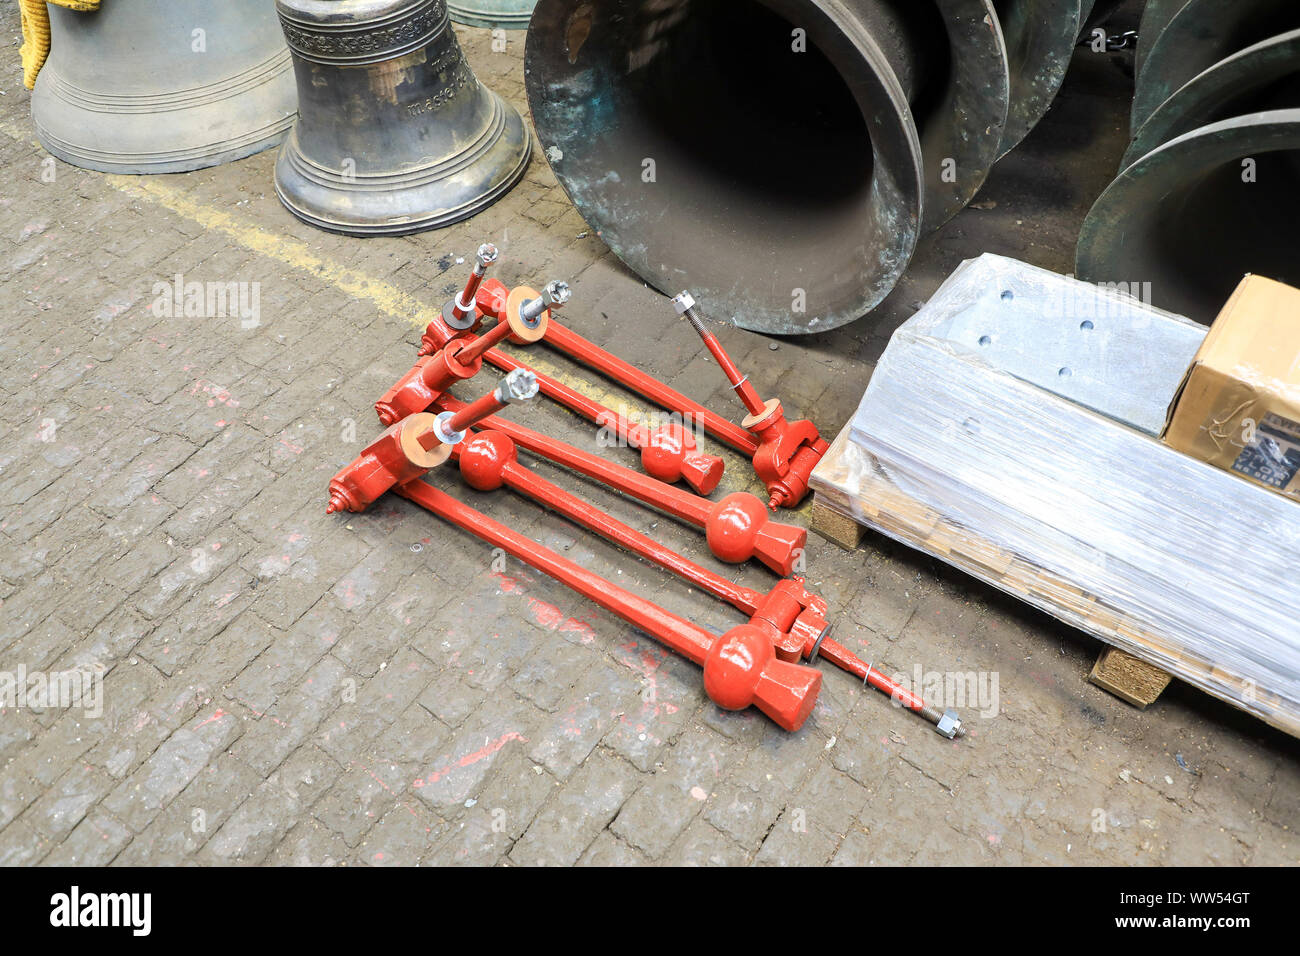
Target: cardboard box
1239,404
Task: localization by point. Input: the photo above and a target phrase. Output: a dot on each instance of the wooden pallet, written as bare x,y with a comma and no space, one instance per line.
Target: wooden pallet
850,496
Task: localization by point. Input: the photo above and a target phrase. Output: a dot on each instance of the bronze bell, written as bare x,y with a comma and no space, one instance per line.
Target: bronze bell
395,132
140,86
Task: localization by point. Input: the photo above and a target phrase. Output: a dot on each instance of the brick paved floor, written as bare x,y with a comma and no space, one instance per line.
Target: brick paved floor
283,687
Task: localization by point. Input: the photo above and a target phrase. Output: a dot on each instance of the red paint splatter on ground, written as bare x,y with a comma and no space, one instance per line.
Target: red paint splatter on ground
646,662
507,584
546,615
487,750
405,805
580,626
215,394
216,715
349,595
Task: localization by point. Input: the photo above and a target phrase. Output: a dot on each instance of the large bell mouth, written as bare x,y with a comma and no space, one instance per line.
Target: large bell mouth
1206,190
762,153
1184,218
138,87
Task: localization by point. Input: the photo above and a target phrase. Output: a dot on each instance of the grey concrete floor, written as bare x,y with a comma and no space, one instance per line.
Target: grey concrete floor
286,687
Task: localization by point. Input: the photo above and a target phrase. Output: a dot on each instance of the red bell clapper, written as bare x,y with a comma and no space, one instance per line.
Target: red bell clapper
740,667
669,452
417,443
750,663
787,451
792,617
736,528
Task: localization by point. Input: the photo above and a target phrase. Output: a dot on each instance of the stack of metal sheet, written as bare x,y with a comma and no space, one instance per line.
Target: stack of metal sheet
1010,430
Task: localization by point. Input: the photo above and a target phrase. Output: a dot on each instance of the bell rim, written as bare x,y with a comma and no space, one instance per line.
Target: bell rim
896,156
1246,71
980,85
1030,101
1103,248
472,16
151,162
407,226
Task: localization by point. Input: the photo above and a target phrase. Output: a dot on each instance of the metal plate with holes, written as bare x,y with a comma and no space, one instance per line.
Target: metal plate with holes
1093,345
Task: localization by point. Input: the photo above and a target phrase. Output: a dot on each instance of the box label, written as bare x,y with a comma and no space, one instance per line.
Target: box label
1272,456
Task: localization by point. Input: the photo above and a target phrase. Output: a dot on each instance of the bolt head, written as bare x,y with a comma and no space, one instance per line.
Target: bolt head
683,301
520,385
556,294
487,254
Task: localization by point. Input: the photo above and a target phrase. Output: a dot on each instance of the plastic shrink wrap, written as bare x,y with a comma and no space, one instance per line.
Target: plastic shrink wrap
1010,430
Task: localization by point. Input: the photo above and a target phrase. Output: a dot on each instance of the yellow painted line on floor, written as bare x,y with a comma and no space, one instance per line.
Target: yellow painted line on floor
295,253
384,296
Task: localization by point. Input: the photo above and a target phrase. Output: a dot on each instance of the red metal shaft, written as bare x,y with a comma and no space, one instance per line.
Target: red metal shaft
746,392
842,657
471,289
845,659
588,353
573,400
475,412
736,528
676,502
487,461
487,340
687,639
